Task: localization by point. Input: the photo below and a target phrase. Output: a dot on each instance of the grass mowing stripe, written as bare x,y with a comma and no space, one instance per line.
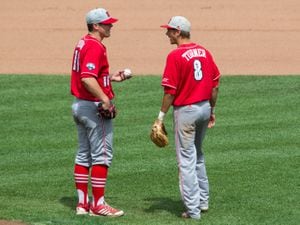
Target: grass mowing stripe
252,154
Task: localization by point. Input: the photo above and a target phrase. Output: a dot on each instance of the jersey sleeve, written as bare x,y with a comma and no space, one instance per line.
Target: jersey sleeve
215,71
90,65
168,90
170,75
217,76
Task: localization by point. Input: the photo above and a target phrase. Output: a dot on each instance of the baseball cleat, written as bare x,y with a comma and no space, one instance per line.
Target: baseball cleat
204,209
186,215
82,209
105,210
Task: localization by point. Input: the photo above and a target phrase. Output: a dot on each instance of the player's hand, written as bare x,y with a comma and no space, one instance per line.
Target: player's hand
117,76
106,104
212,121
109,113
121,75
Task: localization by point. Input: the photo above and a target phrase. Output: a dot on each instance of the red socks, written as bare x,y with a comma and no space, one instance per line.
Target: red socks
98,178
81,175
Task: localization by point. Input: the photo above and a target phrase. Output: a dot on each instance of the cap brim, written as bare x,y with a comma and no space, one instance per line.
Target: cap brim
109,21
166,26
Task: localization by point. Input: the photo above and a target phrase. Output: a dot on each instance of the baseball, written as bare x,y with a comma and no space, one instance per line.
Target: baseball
127,73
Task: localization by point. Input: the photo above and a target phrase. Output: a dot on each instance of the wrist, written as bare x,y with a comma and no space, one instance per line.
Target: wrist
212,110
161,116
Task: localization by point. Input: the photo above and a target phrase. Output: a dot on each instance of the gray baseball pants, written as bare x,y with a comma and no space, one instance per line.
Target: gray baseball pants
95,135
190,126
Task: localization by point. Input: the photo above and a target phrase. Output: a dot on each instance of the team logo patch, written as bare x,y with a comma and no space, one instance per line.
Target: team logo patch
165,80
91,66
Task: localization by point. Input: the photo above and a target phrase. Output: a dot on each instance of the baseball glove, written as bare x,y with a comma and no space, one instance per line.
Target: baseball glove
159,134
109,113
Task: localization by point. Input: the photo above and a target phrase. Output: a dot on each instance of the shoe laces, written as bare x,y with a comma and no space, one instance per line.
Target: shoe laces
108,207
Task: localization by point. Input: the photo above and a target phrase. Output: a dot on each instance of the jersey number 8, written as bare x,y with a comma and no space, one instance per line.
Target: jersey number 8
197,70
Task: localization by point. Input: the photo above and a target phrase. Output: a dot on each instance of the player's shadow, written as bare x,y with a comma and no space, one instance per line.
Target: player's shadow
155,205
70,202
164,204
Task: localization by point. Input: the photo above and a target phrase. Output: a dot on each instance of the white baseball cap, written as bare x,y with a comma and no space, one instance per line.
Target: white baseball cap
178,23
99,15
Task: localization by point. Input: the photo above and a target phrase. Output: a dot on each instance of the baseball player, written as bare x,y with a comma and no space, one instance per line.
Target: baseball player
91,86
190,81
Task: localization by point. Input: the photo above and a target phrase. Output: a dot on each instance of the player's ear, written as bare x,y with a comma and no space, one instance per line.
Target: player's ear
177,33
96,26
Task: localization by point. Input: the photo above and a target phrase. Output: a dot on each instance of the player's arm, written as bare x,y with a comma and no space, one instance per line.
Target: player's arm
91,84
214,97
167,101
213,101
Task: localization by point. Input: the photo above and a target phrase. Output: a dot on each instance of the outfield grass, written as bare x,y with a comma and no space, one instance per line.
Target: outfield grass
252,154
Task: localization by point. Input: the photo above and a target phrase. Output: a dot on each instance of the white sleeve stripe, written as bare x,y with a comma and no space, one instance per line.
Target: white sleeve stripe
216,78
168,85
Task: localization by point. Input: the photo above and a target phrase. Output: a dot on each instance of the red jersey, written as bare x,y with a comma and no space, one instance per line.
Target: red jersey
90,60
190,74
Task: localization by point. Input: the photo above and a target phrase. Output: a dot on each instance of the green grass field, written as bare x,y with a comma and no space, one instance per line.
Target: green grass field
252,154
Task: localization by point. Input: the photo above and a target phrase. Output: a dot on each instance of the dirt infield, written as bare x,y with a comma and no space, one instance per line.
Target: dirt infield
245,37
